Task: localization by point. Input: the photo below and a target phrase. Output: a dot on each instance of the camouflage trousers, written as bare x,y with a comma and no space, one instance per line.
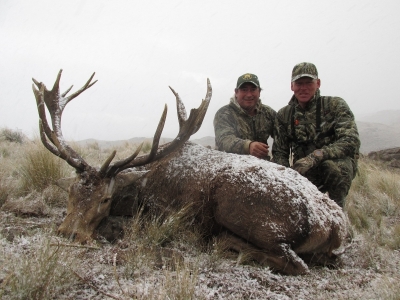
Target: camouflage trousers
335,177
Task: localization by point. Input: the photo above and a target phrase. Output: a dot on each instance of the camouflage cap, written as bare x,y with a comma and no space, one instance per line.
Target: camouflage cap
304,69
248,78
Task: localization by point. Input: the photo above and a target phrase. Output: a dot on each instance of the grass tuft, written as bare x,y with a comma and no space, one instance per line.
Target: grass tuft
373,204
39,274
40,168
13,136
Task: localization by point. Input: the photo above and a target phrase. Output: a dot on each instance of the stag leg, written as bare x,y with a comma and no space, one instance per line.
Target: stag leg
281,259
321,259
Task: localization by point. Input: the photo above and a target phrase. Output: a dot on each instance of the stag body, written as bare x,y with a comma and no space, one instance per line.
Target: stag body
259,206
255,205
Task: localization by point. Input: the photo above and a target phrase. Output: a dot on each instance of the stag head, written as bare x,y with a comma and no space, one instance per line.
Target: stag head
90,192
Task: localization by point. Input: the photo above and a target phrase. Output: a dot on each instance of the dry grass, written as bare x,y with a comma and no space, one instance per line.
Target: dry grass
165,257
39,168
373,205
41,272
5,188
13,136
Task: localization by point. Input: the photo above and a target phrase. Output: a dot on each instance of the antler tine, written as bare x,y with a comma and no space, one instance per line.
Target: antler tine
87,85
157,135
43,124
187,128
55,104
180,108
200,112
45,142
104,167
46,134
67,91
124,164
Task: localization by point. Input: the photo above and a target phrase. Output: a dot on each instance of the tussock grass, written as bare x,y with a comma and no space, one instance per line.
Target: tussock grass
55,196
40,168
179,284
165,230
373,204
40,273
6,187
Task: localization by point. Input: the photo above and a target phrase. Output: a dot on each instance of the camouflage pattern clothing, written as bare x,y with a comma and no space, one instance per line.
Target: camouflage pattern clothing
235,129
297,134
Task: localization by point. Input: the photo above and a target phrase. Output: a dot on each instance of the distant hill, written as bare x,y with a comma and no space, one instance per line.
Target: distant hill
376,136
205,141
377,132
380,130
386,117
107,144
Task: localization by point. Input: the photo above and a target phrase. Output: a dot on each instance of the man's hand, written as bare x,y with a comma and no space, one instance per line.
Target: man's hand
310,161
259,149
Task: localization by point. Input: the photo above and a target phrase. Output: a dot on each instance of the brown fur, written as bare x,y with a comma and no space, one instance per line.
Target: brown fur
255,214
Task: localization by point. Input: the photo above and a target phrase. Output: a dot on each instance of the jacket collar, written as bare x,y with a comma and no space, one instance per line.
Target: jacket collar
233,102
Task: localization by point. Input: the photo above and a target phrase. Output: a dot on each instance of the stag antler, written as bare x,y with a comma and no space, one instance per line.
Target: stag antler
90,193
187,127
53,139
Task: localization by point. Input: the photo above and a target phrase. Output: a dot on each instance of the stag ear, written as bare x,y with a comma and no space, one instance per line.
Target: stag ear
124,179
65,183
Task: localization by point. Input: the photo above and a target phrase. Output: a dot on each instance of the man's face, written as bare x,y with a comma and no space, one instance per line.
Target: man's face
304,89
247,96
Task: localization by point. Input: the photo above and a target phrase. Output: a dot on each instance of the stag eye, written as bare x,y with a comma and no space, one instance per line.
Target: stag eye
104,201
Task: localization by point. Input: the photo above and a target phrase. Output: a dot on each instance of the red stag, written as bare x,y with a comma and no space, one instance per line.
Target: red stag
270,211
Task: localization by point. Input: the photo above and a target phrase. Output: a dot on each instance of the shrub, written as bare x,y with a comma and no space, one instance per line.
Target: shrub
12,135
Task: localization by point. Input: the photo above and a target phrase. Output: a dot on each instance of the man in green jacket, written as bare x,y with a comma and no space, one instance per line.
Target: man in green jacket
245,124
320,133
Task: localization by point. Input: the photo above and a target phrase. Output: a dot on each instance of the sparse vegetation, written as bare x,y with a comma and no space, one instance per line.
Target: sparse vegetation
166,257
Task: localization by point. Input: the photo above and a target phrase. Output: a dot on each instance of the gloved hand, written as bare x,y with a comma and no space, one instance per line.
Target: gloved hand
310,161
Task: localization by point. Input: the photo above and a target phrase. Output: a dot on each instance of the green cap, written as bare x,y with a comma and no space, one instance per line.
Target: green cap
304,69
248,78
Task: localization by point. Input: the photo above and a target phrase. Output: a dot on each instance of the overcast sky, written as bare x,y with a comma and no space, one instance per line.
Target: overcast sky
139,48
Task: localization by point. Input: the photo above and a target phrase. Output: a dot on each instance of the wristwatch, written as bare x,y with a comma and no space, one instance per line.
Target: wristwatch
319,154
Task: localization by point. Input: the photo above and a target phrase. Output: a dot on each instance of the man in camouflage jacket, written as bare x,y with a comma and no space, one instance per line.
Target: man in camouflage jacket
321,134
245,124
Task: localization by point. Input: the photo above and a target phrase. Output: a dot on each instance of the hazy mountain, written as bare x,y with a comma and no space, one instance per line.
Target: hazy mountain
377,131
375,136
386,117
380,130
205,141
